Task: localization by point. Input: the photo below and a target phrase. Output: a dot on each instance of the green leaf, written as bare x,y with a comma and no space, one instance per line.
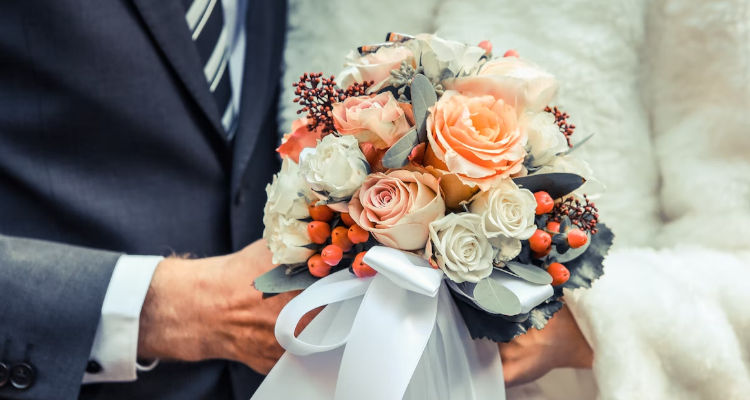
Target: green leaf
423,96
579,144
277,281
530,273
398,155
557,184
493,297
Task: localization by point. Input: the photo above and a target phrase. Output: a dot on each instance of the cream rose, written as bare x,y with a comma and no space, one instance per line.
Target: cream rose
506,248
375,67
506,210
460,248
335,168
512,79
545,139
286,204
380,120
476,138
396,207
437,55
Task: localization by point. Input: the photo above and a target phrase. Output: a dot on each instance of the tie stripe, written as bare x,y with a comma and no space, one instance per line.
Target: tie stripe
205,18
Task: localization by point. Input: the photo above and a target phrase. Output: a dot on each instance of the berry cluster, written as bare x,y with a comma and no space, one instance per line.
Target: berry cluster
584,214
337,234
561,119
317,95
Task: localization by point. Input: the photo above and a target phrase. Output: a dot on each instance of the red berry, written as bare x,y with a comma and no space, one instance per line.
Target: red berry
577,238
317,267
340,237
332,254
544,202
318,231
361,269
347,219
553,226
540,241
320,213
559,273
543,254
511,53
357,234
486,45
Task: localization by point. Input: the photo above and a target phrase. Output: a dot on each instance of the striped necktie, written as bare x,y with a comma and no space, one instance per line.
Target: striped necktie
205,19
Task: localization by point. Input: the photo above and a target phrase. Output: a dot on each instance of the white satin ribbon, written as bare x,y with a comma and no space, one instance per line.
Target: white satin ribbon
371,352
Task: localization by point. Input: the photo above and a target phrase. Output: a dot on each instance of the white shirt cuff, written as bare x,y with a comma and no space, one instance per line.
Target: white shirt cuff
115,346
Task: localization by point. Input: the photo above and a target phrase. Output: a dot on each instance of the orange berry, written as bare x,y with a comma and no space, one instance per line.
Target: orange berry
340,237
559,273
544,202
577,238
317,267
540,241
318,231
357,234
320,213
332,254
361,269
347,219
511,53
486,45
553,226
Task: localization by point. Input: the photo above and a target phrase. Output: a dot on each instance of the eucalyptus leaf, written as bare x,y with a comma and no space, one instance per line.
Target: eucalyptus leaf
530,273
557,184
579,144
398,155
423,96
496,298
277,281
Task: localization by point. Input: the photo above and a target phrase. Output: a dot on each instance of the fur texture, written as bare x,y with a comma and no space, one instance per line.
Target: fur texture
664,85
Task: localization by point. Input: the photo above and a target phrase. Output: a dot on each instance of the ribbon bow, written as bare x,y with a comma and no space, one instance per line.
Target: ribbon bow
389,332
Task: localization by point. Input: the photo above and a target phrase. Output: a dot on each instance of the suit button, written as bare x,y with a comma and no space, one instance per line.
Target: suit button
4,374
22,376
93,367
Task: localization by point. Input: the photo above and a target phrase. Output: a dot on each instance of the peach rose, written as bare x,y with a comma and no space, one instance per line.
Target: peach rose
397,207
476,138
380,120
512,79
375,66
300,138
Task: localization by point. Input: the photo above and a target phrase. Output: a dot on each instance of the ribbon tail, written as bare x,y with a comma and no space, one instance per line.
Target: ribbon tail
388,337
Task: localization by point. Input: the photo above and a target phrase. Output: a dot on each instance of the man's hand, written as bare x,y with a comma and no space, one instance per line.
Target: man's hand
560,344
207,308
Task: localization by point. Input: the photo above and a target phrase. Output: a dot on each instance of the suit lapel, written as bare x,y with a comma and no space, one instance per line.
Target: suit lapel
265,30
165,19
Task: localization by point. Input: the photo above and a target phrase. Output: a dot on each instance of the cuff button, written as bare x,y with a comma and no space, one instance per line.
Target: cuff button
4,374
93,367
22,376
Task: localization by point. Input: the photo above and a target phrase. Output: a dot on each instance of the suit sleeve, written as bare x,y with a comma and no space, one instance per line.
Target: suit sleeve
50,303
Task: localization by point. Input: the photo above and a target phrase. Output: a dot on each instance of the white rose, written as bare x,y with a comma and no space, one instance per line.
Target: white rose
460,247
574,165
506,210
506,248
288,193
335,168
286,237
545,139
286,205
437,54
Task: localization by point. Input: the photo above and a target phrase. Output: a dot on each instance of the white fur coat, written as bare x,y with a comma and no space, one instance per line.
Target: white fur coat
665,85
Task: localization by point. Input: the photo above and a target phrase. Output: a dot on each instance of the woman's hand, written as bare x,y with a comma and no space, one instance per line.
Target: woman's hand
560,344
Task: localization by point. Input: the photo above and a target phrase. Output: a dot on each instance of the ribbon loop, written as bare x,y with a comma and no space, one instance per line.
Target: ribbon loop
406,270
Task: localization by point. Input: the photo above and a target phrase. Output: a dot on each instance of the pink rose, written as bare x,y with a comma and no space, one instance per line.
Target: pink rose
300,138
476,138
380,120
514,80
397,207
375,66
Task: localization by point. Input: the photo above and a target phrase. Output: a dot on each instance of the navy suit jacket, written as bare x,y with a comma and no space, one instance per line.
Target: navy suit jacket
111,143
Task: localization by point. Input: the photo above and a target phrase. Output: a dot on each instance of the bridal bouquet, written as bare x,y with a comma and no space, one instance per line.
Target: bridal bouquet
429,198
